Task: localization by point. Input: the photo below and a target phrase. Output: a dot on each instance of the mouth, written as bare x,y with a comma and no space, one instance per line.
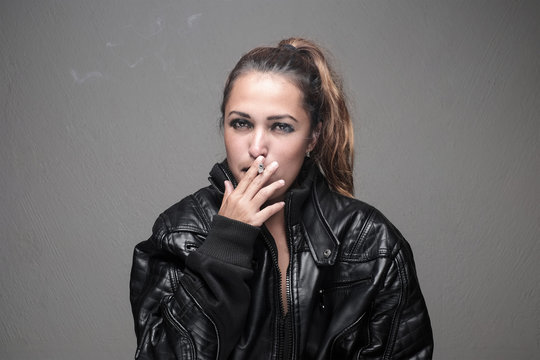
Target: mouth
245,169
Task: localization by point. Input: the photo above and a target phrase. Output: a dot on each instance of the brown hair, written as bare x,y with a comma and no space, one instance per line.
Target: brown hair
305,63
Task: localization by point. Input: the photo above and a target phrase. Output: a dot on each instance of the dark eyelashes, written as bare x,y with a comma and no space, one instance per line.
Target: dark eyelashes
282,127
239,124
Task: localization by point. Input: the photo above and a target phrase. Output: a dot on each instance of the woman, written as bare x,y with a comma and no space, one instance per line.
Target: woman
275,259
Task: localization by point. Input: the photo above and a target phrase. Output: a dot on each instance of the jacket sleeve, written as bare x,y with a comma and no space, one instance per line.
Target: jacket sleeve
194,306
399,324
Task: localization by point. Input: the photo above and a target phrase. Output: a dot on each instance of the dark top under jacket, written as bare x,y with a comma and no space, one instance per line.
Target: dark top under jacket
207,287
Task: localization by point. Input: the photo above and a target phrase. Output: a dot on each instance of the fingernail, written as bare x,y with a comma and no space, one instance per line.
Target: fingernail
273,165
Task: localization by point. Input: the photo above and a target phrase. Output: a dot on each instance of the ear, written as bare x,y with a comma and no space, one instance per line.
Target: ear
314,137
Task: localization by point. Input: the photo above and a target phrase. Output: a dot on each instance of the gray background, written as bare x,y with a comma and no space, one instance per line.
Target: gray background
109,115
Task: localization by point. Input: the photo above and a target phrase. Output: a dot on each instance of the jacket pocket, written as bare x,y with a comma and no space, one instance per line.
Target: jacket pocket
333,297
346,305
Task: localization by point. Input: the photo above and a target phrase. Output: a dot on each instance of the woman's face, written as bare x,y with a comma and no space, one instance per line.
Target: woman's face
264,116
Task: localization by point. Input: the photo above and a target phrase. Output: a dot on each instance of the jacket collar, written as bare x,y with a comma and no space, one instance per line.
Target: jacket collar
219,173
302,206
306,208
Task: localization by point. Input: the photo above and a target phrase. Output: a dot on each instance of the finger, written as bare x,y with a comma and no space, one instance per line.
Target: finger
251,174
268,211
266,192
228,189
257,183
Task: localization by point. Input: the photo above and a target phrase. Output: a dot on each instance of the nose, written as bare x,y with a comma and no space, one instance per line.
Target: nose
258,143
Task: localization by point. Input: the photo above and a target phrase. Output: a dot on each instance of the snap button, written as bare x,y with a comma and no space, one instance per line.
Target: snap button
327,253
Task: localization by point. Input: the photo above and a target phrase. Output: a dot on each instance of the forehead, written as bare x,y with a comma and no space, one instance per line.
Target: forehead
265,87
257,78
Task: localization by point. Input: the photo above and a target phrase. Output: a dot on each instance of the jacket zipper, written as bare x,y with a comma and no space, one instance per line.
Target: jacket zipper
278,325
281,320
180,329
289,341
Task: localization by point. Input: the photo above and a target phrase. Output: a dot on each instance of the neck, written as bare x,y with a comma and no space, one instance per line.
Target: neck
276,220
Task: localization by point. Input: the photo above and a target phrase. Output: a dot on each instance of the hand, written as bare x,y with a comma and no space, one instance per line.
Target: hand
244,203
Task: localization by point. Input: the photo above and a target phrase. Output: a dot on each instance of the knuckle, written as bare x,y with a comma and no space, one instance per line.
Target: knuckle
263,193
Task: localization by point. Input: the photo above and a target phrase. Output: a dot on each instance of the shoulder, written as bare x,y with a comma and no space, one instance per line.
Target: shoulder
193,214
363,231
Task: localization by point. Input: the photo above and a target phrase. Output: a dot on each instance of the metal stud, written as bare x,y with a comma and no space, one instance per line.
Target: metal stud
327,253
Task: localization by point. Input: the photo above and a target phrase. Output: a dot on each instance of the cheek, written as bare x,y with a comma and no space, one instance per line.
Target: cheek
291,158
232,145
293,151
233,154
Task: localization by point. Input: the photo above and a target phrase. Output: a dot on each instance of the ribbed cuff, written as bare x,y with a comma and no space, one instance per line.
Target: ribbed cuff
230,241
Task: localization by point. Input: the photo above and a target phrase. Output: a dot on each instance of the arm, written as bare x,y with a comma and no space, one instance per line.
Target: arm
191,307
194,307
399,324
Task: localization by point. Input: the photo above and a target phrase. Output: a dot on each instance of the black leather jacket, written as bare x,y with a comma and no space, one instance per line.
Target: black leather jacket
207,287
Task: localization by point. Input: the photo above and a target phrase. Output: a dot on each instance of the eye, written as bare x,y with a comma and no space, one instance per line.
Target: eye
240,124
282,127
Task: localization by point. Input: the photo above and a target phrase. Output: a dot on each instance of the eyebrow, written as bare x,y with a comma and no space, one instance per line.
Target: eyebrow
279,117
270,118
240,113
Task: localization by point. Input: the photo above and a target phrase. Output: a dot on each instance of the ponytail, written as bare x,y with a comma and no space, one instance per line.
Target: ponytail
334,151
305,64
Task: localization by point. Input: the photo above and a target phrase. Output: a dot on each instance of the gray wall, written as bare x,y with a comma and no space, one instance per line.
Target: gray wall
109,113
